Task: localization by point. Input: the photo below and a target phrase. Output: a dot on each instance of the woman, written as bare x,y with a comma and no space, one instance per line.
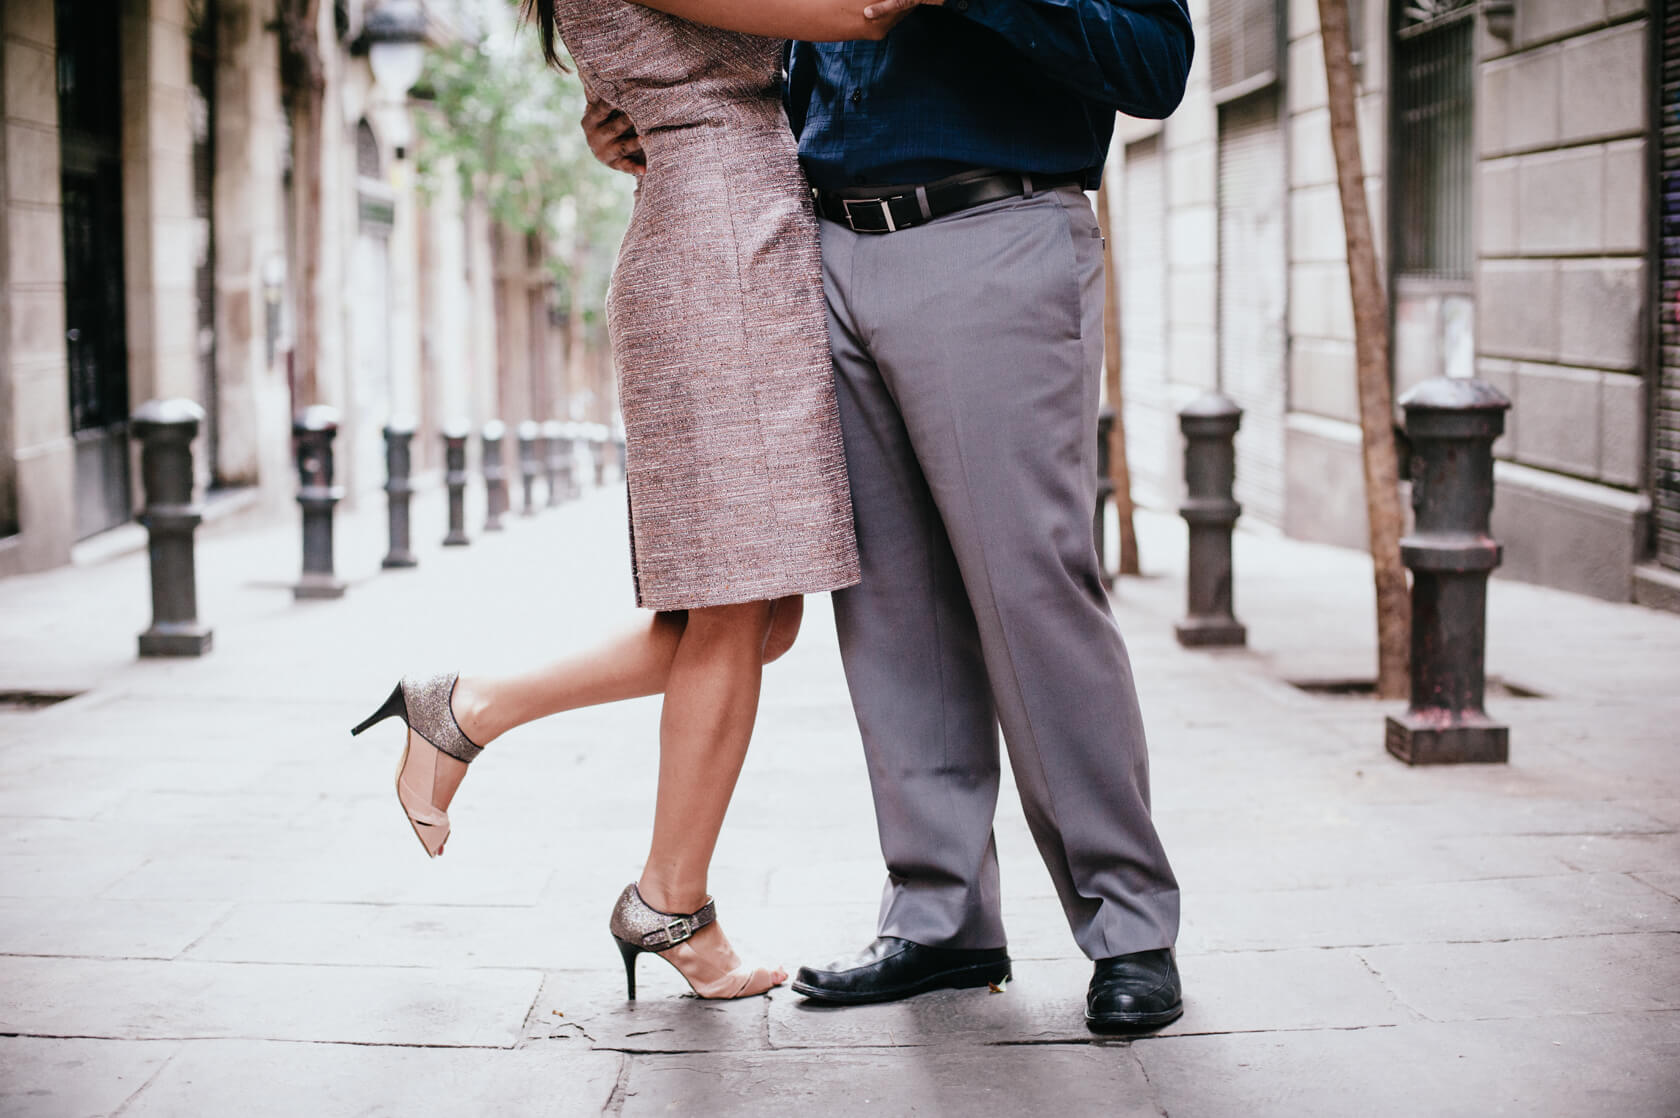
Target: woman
738,493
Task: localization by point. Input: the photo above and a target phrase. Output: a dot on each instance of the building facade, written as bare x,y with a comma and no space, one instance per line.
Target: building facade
1511,155
149,228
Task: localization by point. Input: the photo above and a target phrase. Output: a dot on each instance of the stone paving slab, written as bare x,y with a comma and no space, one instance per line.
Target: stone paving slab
52,1077
283,1080
666,1017
362,935
145,929
142,1000
954,1081
328,877
1666,880
1515,908
1627,1065
49,872
1532,978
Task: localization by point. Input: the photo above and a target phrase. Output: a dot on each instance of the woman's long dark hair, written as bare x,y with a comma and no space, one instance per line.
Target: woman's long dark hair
542,11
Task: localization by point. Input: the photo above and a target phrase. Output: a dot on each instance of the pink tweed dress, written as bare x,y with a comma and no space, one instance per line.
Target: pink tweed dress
737,476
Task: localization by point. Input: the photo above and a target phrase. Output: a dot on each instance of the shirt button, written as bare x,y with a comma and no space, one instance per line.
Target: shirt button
857,96
962,5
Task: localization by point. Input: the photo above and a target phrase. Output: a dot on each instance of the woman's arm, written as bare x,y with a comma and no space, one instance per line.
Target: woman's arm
815,21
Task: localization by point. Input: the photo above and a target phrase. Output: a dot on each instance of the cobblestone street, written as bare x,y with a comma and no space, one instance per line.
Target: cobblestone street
213,905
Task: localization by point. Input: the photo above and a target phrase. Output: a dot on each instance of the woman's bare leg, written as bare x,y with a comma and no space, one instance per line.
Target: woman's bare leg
711,703
632,665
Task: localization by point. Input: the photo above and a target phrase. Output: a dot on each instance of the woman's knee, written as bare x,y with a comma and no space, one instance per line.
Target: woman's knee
744,622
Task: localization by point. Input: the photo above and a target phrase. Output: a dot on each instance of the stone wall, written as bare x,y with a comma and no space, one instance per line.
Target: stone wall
1562,285
36,453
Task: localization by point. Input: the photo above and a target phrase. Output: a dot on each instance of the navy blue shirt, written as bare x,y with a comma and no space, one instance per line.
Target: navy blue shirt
1016,85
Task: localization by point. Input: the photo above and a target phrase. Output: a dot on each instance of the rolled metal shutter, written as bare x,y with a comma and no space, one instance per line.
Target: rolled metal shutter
1253,296
1665,436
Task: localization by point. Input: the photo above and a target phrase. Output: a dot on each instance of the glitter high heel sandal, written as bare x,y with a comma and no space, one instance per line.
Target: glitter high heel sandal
638,928
423,705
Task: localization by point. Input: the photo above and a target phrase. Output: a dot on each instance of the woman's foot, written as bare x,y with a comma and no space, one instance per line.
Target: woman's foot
427,779
691,942
713,970
435,754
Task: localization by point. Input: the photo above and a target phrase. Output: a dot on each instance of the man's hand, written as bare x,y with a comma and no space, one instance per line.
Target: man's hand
613,139
896,10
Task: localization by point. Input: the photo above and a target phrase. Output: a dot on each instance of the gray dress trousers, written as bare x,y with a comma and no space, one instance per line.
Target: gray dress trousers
967,356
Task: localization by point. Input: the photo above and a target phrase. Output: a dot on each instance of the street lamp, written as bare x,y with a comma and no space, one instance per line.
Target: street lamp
394,37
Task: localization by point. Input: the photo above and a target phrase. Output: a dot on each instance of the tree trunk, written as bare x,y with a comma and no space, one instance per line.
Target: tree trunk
1119,469
1376,397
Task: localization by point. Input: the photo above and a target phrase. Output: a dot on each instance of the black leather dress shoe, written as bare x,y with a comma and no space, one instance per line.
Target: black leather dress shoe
1134,993
892,968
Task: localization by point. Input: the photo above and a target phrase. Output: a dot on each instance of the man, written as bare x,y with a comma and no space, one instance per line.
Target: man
963,269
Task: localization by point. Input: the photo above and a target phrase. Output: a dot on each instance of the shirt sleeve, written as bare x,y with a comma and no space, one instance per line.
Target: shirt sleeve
1131,55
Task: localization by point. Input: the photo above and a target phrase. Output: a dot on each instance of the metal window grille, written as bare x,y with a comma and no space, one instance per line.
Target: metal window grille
1434,68
1243,45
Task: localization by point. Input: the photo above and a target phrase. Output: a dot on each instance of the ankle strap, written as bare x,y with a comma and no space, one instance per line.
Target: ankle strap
639,922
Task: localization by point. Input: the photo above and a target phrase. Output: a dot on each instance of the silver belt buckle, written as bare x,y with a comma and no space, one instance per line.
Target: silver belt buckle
886,213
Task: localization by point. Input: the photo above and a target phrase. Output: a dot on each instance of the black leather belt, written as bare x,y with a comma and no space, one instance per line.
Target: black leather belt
889,209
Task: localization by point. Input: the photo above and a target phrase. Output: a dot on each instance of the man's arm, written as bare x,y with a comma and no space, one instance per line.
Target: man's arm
812,20
1132,55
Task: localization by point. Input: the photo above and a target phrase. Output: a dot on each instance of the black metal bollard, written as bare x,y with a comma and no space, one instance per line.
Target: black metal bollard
399,488
530,463
598,448
1210,472
313,431
1105,494
166,429
455,478
1451,425
577,438
552,435
495,474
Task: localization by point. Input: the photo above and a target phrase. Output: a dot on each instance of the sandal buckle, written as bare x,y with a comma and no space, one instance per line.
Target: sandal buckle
678,929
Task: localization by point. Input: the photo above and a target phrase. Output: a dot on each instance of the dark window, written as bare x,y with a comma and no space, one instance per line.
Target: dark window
1243,46
90,185
1434,66
367,151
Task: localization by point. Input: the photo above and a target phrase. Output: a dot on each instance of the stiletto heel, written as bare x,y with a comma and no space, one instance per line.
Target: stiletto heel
394,708
639,927
629,951
424,707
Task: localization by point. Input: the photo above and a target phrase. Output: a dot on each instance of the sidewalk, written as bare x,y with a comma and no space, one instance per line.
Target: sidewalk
212,903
